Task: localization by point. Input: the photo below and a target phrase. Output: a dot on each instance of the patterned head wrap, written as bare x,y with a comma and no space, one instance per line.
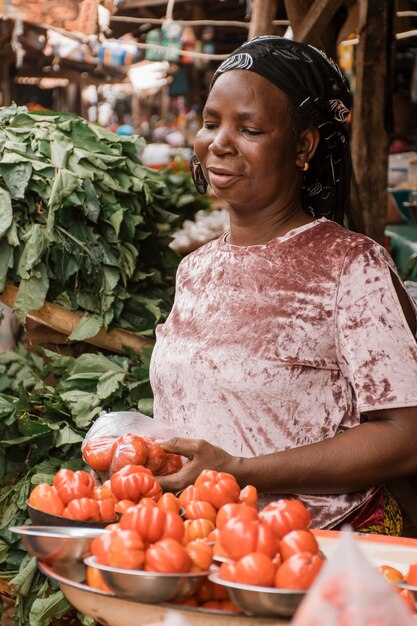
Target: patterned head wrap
318,88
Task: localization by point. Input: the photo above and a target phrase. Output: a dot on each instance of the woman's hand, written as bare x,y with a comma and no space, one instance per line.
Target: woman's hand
201,455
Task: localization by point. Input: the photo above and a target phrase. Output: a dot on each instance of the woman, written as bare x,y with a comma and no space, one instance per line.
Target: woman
289,358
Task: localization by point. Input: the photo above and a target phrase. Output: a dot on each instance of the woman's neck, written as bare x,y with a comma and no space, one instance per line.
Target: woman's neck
249,230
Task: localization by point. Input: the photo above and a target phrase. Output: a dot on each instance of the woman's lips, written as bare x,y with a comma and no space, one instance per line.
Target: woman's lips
222,179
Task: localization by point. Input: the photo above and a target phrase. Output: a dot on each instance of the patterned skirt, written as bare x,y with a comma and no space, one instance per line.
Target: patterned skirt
380,515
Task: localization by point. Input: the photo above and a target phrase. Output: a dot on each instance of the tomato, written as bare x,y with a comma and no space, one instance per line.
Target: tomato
123,505
198,509
169,502
299,571
218,488
286,515
188,494
103,493
45,498
94,579
412,575
249,496
213,605
391,574
298,541
174,527
149,502
173,464
107,509
227,571
408,599
167,556
129,450
73,485
209,475
205,591
218,550
234,510
334,591
240,537
255,569
153,524
228,605
197,529
201,555
211,591
98,452
156,456
123,549
83,509
134,482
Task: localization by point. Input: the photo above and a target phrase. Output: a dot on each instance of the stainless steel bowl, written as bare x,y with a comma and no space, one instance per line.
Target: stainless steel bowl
40,518
150,587
64,548
261,601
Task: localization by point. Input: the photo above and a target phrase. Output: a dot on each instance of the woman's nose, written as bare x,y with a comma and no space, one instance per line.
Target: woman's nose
222,142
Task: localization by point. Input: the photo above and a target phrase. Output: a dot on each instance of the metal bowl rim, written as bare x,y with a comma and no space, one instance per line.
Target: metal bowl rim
58,532
404,585
91,561
274,590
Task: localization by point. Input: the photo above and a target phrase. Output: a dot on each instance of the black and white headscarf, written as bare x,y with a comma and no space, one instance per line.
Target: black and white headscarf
316,85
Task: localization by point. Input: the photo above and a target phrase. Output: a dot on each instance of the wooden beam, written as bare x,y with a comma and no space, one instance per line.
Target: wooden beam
369,134
316,19
263,13
57,318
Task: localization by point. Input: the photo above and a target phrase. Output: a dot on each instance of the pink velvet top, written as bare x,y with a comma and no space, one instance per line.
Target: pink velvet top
274,346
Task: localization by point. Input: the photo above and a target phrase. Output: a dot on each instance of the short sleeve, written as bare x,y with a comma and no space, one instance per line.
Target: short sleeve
377,351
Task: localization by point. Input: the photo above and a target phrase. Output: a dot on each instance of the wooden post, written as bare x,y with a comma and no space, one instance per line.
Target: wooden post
263,12
369,136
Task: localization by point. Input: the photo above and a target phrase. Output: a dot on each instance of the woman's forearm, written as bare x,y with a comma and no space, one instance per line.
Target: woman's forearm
369,454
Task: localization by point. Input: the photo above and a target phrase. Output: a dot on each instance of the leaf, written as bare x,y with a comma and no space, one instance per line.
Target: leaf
88,326
6,255
92,203
6,213
23,580
44,609
61,148
145,406
32,293
16,177
66,435
109,384
36,243
64,184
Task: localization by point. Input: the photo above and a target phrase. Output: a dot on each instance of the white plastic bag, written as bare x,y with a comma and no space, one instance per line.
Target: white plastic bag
350,592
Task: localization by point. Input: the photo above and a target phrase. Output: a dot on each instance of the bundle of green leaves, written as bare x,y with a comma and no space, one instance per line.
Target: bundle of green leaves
41,430
84,224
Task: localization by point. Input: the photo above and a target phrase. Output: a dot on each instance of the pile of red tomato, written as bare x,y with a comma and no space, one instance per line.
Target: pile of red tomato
105,454
270,548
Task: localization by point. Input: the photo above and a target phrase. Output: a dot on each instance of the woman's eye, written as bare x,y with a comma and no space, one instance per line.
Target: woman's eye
251,132
209,125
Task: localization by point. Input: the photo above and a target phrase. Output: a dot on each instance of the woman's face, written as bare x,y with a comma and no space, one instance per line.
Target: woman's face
247,147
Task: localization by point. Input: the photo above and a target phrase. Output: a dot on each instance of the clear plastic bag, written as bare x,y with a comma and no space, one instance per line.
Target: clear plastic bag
105,434
350,592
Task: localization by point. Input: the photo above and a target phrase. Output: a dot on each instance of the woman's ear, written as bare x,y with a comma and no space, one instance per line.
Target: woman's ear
306,146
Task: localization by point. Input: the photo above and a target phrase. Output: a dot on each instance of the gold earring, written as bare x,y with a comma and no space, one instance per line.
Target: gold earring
305,166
